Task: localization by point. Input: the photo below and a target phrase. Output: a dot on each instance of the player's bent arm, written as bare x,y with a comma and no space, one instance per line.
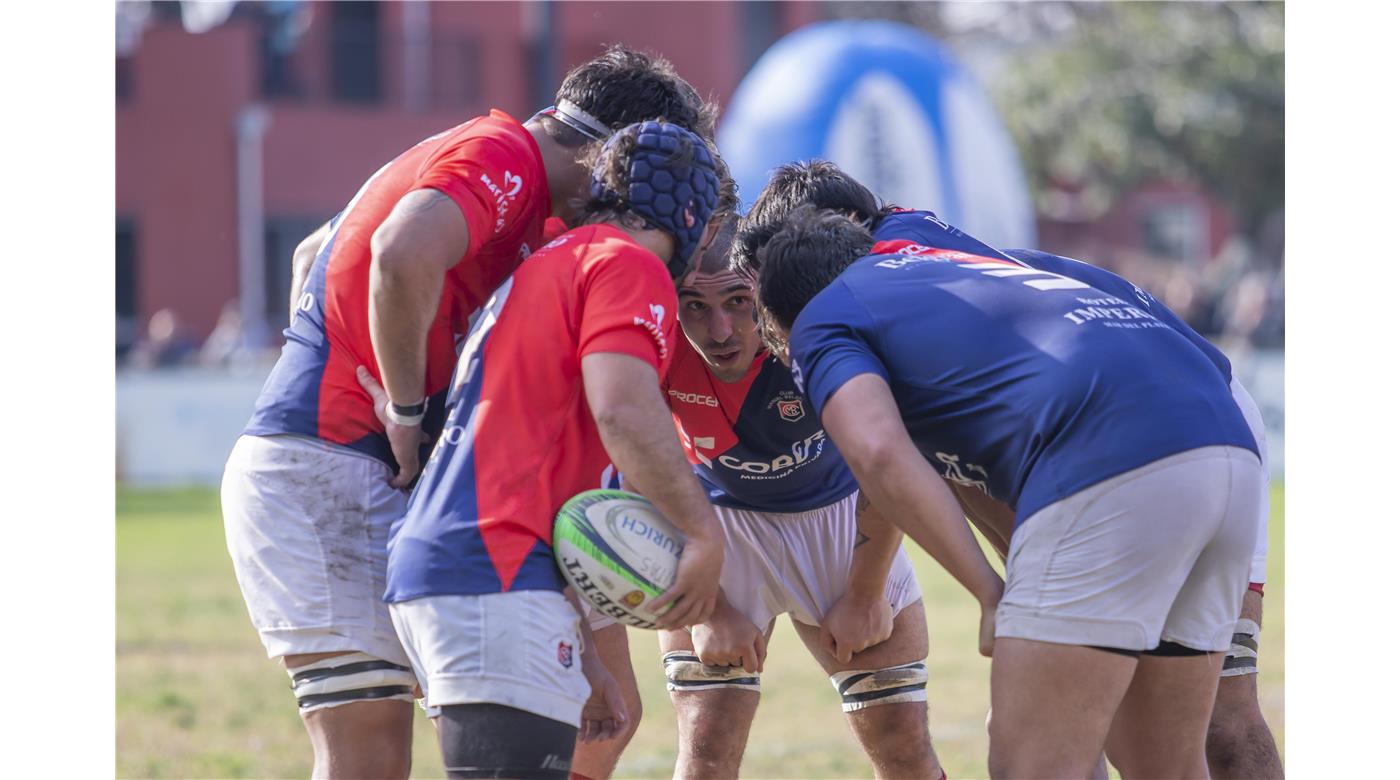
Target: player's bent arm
303,257
863,420
635,425
412,250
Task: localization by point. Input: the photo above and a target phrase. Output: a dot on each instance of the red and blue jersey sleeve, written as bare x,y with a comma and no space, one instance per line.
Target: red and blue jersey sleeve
486,177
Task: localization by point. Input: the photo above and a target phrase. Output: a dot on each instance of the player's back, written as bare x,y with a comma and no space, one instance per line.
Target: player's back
918,232
492,169
1040,382
520,439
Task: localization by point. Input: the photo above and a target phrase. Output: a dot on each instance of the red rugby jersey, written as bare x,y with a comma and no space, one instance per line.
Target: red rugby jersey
520,438
492,168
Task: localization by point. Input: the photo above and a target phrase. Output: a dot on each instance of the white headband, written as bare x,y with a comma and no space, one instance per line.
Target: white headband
580,120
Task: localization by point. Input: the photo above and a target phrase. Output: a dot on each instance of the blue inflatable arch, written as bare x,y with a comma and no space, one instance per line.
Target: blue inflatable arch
890,106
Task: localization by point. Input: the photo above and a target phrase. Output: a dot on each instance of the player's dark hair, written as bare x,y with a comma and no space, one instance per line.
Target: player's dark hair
715,258
812,182
623,86
813,247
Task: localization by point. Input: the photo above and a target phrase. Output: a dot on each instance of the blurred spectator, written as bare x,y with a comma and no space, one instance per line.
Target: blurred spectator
164,344
227,344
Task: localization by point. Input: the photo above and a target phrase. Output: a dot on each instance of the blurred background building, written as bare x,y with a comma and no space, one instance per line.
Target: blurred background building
1150,140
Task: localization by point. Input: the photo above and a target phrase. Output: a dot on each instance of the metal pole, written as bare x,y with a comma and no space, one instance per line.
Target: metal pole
417,55
250,128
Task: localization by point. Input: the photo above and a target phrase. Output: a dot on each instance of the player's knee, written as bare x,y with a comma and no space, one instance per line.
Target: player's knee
349,679
363,739
492,740
633,701
685,673
862,689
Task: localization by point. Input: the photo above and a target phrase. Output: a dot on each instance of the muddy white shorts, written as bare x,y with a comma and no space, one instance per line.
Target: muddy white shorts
795,563
1258,566
1161,552
307,524
519,650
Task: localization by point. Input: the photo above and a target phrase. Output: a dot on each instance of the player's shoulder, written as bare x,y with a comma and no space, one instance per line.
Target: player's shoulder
609,247
497,135
834,304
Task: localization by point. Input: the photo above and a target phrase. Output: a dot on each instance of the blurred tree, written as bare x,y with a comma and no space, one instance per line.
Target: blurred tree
1103,96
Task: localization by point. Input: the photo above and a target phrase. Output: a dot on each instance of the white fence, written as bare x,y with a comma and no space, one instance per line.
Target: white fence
177,426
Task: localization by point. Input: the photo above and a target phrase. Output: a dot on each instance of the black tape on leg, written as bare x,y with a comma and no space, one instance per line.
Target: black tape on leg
1165,649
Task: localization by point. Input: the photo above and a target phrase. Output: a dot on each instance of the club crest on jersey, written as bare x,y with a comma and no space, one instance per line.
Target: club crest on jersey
789,405
566,655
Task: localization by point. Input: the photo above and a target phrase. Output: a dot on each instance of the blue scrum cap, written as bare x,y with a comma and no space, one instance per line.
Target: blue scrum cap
665,185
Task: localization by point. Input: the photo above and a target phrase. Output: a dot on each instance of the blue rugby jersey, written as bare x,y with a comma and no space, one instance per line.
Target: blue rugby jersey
1025,383
917,232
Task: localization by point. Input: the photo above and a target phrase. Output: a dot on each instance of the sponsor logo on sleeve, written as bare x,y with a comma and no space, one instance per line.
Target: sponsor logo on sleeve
656,327
566,655
503,194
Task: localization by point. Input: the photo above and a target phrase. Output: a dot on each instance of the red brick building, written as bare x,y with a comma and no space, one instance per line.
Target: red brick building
232,144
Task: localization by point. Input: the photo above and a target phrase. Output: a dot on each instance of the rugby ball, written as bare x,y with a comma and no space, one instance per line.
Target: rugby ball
618,551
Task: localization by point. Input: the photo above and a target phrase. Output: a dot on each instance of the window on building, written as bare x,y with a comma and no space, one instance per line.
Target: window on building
355,51
278,77
280,238
126,82
128,313
758,23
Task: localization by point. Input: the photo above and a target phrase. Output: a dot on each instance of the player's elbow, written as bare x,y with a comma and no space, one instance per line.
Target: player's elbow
392,256
871,455
615,415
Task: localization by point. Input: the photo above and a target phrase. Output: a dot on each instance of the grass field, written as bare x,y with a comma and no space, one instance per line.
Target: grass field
196,697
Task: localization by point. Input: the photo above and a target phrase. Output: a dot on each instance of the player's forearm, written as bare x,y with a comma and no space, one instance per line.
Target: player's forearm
912,494
403,299
877,542
994,519
641,440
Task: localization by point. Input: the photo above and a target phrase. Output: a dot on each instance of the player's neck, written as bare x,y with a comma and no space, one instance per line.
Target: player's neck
567,176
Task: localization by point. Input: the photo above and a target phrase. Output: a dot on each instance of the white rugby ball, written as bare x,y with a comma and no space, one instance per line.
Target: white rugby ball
618,551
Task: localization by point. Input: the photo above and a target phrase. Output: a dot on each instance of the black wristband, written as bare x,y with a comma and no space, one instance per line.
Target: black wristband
412,410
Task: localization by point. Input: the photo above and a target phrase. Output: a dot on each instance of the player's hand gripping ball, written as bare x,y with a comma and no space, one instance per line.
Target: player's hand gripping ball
618,551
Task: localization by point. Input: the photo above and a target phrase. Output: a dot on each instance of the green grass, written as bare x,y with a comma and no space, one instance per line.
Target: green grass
197,697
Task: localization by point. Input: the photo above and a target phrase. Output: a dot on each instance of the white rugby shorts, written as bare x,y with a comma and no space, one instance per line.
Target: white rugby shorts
519,649
1159,553
1258,567
307,525
794,563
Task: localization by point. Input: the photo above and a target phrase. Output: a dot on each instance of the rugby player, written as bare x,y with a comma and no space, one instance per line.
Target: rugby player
1239,742
561,374
312,486
798,540
1133,531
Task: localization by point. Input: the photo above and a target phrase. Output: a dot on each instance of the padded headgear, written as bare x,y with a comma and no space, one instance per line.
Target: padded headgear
664,182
